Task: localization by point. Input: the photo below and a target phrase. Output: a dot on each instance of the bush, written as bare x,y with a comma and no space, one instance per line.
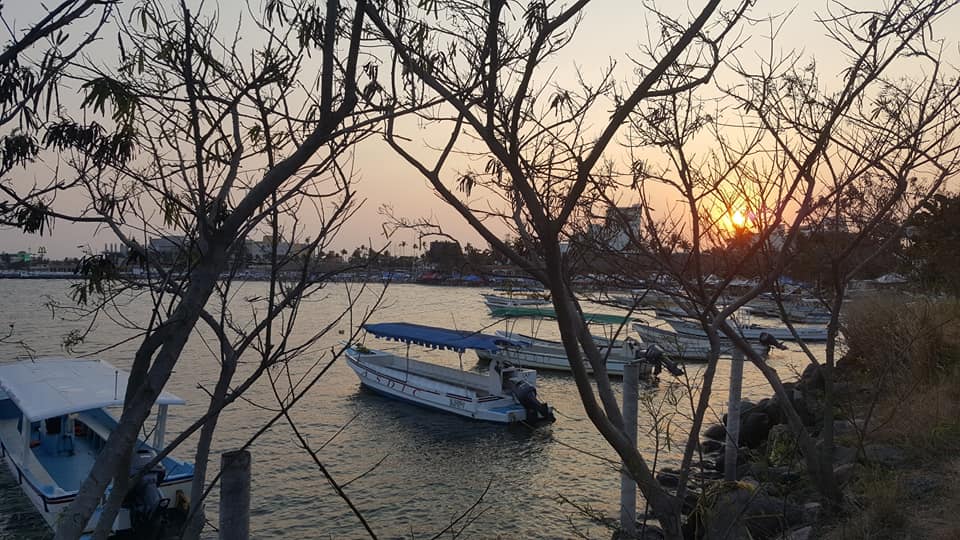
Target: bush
917,339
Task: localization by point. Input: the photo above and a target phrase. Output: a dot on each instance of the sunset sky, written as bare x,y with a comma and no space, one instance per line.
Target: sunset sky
611,29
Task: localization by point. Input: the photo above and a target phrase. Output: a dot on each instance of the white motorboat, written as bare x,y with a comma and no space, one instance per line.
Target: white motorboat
504,394
540,353
516,299
54,419
686,347
750,331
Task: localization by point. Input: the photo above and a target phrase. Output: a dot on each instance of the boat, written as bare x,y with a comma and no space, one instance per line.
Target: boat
54,420
516,299
692,348
750,331
547,354
539,353
504,394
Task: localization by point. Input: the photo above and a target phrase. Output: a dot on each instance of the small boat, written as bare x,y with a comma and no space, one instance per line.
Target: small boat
688,347
515,299
54,420
809,333
504,394
541,353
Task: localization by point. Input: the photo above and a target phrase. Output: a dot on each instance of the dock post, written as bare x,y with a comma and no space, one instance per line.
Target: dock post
733,417
235,495
628,487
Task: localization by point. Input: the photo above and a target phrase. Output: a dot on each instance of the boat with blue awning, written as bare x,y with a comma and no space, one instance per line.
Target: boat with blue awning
55,418
504,394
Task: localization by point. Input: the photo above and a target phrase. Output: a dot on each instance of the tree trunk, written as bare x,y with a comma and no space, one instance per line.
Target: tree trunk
120,444
194,526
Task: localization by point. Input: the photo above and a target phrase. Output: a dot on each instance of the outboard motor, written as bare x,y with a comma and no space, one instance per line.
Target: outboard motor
526,394
145,500
655,356
769,341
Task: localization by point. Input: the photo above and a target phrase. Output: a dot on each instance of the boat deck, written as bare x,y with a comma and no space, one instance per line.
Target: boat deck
13,443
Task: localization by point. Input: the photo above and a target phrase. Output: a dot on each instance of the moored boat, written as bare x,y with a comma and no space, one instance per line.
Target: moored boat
751,331
515,299
692,348
504,394
541,353
55,419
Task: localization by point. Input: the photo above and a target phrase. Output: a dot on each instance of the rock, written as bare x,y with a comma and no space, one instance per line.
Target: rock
740,511
781,446
884,454
843,455
844,429
746,407
644,532
771,408
716,432
709,446
668,479
844,473
812,512
803,533
811,379
921,486
754,429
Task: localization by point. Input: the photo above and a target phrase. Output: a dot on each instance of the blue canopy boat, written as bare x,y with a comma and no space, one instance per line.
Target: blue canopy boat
55,419
505,394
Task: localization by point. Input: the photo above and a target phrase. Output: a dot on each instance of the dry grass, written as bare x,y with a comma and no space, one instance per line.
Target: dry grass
904,355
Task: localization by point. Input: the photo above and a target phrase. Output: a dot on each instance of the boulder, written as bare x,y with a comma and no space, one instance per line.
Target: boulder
811,380
884,454
741,511
710,446
844,429
716,432
668,479
754,429
771,408
922,486
844,473
812,512
644,532
803,533
843,455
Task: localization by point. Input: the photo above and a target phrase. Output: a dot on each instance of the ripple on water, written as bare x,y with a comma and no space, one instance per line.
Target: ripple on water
435,466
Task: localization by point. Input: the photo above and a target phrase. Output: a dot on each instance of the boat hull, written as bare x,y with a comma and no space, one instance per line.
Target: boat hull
550,355
686,348
51,505
417,387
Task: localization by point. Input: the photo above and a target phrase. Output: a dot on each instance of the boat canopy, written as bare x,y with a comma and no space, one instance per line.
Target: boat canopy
549,313
439,338
51,387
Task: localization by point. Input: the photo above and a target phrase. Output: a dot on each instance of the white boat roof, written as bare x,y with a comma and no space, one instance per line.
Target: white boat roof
50,387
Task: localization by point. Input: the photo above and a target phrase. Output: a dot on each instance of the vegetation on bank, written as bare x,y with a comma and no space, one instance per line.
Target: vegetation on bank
901,390
896,396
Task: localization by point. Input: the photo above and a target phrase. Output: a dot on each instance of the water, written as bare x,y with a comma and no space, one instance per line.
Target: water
435,466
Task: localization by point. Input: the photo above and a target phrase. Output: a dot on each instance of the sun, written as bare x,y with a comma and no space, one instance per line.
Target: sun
738,219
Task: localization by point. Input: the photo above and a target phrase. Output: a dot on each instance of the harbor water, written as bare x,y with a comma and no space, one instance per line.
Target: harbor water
412,472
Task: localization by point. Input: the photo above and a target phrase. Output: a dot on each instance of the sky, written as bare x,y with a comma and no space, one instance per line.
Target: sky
610,29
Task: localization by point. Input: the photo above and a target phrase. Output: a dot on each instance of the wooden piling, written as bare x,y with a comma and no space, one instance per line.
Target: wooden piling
235,495
733,417
628,487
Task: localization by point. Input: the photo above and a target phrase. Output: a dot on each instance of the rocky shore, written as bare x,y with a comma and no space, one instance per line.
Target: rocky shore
773,497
